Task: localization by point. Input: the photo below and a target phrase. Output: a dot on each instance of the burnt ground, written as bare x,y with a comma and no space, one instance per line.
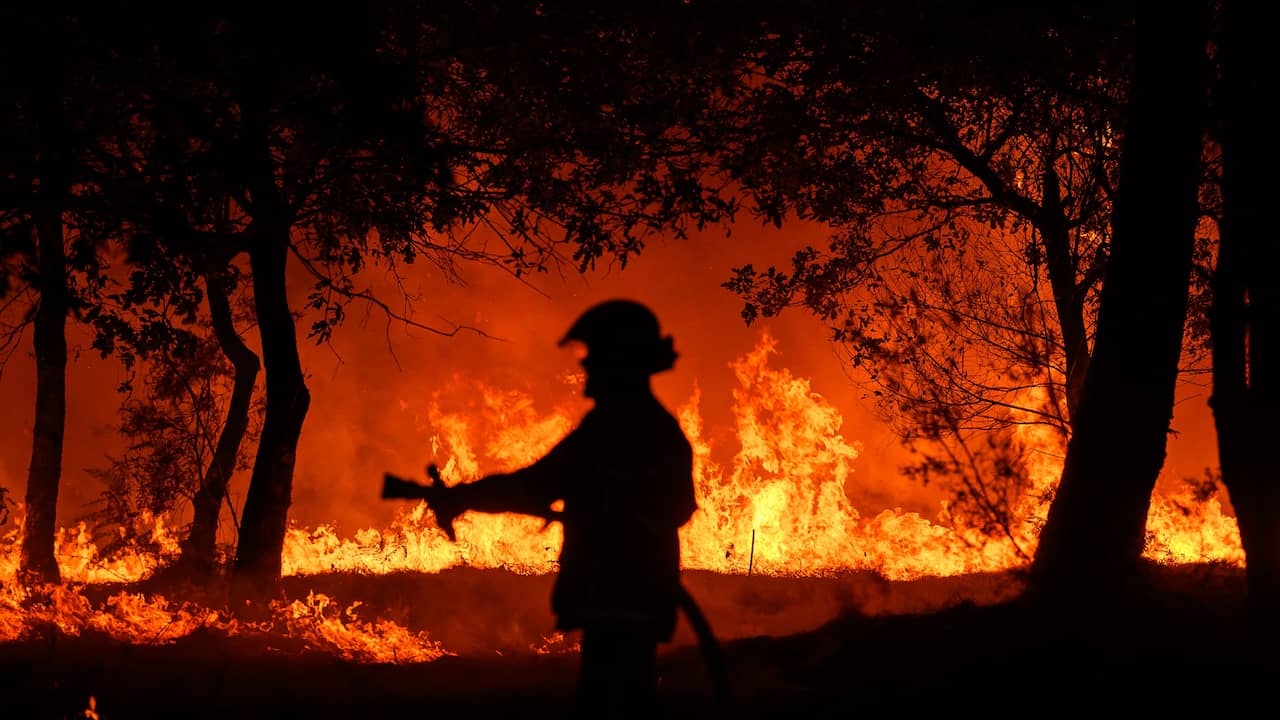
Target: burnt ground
845,646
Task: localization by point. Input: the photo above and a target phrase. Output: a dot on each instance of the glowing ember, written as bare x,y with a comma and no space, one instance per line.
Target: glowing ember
557,643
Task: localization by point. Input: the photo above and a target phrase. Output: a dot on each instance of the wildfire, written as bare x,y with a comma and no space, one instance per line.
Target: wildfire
776,506
318,622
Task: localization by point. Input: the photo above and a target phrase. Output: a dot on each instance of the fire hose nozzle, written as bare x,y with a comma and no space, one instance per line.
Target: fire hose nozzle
397,488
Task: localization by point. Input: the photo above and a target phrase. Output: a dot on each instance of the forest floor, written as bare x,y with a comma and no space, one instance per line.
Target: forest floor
845,646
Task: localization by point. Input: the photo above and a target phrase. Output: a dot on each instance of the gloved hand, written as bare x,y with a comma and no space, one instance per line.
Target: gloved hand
443,501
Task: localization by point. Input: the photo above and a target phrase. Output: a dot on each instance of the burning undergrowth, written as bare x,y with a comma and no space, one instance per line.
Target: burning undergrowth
776,548
315,622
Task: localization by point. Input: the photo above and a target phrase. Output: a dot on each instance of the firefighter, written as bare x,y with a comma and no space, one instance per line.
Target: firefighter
625,477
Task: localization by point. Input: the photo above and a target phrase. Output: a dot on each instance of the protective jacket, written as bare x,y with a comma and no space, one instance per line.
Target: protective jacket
625,475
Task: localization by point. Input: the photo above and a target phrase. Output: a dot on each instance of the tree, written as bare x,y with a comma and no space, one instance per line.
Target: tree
186,433
966,158
179,235
171,422
199,552
1095,532
396,135
49,245
258,133
1245,315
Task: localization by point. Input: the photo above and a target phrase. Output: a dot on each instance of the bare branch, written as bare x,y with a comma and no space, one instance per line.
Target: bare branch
367,296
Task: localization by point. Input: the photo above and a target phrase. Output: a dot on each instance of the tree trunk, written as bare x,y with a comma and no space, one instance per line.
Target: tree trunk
1245,316
266,508
199,554
1095,533
1068,298
38,562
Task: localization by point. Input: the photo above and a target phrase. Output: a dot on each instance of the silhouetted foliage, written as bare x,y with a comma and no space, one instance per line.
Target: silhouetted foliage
524,135
966,159
171,426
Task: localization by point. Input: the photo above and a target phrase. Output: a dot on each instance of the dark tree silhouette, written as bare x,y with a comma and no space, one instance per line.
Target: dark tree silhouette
199,550
48,68
1095,533
175,425
965,158
263,134
498,135
179,238
185,436
1245,314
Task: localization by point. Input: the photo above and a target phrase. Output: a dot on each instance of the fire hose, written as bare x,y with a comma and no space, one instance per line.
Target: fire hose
394,487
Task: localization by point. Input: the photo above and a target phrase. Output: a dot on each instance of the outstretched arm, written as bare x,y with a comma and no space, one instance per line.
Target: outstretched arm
528,491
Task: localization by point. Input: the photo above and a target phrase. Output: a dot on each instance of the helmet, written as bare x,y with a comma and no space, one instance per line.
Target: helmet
625,335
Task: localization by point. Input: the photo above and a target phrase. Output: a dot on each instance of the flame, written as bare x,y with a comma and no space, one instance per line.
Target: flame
513,434
319,621
776,506
80,561
782,508
1183,529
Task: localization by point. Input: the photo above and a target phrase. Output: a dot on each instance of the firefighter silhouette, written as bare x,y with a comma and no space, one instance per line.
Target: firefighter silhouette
625,477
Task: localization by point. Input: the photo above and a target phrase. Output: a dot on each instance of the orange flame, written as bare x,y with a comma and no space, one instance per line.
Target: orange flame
777,507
